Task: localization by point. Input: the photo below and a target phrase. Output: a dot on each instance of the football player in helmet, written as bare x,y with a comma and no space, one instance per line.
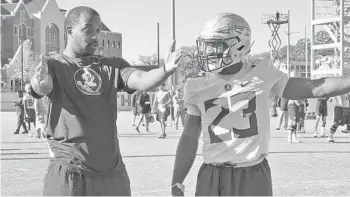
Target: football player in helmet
230,105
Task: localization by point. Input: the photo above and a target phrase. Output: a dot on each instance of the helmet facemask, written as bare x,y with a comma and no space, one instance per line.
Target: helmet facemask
224,41
214,54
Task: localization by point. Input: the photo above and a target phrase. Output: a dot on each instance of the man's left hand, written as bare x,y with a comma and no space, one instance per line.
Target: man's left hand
172,58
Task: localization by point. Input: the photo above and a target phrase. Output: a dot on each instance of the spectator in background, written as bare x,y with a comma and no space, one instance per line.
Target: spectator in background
301,125
179,108
283,113
20,114
294,115
40,111
144,103
161,106
341,115
29,111
277,15
321,113
134,104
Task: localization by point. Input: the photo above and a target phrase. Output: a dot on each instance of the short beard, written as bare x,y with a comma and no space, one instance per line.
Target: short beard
84,52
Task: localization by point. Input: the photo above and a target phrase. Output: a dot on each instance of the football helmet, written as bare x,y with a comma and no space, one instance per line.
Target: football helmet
224,41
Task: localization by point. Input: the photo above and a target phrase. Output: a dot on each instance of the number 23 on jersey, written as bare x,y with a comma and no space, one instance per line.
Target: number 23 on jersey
246,113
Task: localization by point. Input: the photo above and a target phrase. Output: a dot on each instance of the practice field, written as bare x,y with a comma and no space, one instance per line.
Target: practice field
314,167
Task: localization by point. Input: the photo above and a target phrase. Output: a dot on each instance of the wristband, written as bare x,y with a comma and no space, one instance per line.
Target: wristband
180,186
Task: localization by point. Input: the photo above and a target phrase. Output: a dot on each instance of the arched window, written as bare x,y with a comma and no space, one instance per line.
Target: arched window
52,39
22,31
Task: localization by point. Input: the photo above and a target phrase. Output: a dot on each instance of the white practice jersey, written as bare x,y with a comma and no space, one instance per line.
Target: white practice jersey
29,100
235,112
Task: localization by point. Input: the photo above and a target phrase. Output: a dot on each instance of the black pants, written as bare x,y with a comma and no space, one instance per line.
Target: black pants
61,180
20,122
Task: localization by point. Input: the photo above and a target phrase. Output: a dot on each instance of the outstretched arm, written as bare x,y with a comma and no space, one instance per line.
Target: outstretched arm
186,151
42,82
145,81
302,88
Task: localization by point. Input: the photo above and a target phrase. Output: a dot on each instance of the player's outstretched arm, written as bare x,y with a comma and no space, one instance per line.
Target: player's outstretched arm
145,81
41,82
301,88
186,152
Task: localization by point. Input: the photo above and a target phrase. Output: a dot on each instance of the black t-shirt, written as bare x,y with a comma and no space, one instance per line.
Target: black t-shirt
322,102
145,103
81,127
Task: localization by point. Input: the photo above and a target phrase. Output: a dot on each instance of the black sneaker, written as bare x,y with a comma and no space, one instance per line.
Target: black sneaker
25,132
16,132
137,129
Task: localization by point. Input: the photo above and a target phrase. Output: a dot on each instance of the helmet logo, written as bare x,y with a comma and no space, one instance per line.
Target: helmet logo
228,87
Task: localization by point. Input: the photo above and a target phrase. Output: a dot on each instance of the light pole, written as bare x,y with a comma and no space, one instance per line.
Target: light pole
22,53
288,43
306,56
158,44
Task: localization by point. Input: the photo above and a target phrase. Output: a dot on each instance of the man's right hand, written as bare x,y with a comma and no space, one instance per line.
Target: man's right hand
176,191
41,71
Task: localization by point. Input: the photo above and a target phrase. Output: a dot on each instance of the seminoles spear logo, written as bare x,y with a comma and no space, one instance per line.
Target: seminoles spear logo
88,81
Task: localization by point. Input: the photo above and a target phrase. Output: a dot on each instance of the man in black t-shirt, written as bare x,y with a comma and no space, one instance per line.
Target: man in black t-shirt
85,156
144,103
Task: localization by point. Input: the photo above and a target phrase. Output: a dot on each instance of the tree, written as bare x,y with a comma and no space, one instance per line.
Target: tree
3,75
30,59
322,37
151,60
188,63
253,58
298,52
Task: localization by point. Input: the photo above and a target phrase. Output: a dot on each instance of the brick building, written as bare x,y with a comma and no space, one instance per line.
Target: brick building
42,21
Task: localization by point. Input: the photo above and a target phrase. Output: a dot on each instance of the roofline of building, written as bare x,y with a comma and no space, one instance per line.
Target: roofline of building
46,2
111,32
17,8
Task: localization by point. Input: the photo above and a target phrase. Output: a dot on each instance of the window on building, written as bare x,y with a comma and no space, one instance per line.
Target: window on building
108,43
118,45
52,39
113,44
28,32
22,31
15,30
103,43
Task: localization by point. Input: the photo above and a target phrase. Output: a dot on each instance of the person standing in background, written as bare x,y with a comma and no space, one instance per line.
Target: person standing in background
134,104
144,103
40,106
282,113
179,108
161,106
341,115
20,114
29,112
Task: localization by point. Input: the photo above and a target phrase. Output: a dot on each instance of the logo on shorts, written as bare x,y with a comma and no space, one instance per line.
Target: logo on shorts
88,81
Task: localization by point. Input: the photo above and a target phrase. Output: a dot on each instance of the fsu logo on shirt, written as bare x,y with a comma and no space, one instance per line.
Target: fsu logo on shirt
88,81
